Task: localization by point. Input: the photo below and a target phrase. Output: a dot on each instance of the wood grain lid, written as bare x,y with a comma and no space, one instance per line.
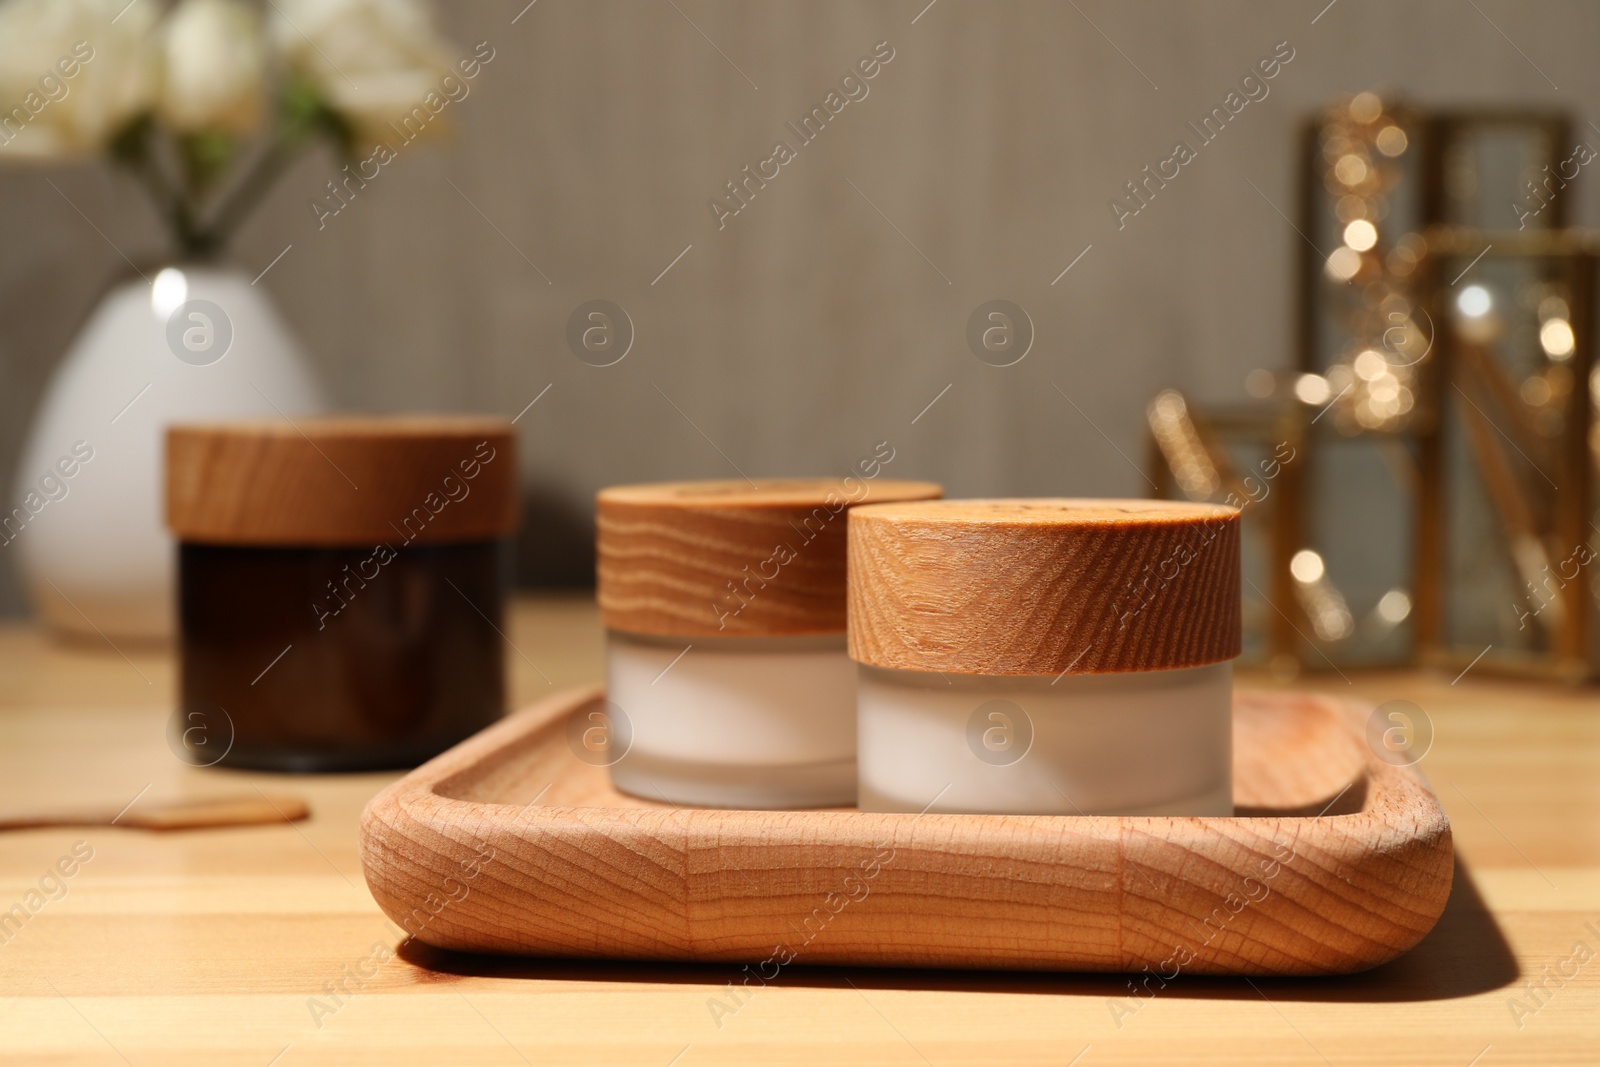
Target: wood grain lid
1043,586
349,481
731,558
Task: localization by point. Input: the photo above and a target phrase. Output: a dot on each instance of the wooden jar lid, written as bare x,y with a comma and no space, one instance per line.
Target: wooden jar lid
352,481
731,558
1044,586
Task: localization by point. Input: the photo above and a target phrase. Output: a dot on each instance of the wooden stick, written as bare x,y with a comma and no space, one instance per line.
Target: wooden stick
202,814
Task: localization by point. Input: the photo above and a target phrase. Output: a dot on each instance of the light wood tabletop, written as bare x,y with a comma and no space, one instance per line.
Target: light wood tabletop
229,946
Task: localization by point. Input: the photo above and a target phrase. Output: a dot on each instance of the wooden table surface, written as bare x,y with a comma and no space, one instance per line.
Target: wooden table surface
219,947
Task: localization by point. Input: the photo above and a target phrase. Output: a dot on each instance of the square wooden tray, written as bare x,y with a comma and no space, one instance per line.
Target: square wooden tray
508,843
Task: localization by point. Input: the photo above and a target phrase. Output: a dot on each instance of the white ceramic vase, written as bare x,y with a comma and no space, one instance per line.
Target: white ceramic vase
86,510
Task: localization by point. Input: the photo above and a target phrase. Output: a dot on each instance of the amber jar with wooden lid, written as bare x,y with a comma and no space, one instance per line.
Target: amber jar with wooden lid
341,586
724,604
1050,656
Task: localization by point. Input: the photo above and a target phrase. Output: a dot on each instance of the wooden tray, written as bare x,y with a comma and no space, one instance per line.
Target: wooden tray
508,843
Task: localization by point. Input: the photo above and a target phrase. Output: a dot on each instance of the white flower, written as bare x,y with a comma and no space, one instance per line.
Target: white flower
216,66
72,72
373,61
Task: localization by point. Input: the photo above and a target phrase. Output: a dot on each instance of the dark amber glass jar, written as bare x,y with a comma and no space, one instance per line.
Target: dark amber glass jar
341,586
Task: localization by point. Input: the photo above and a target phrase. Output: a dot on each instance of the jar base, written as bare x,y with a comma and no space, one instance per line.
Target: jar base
1137,743
1215,803
404,667
716,785
344,759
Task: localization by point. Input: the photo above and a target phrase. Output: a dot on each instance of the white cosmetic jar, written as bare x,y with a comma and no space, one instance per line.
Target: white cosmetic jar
1045,657
728,683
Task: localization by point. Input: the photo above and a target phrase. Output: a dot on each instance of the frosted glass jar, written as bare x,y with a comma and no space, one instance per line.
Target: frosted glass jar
1032,744
735,722
726,671
1045,657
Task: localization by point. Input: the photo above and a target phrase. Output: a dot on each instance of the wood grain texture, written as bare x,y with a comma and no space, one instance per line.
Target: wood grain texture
204,949
1043,586
351,481
205,814
731,558
456,855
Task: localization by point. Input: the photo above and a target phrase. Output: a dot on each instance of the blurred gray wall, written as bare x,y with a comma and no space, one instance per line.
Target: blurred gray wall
829,313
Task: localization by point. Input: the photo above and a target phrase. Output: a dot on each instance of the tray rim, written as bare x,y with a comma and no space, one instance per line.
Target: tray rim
417,805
